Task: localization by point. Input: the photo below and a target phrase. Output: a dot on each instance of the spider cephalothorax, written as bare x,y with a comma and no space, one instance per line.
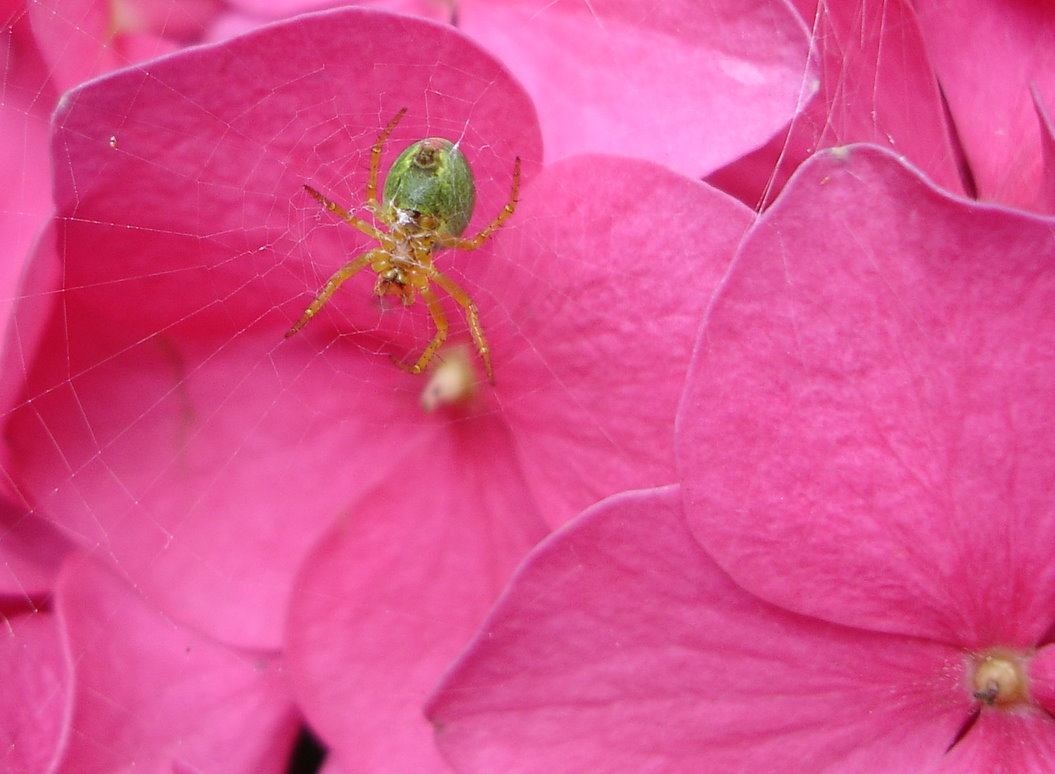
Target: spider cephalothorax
428,199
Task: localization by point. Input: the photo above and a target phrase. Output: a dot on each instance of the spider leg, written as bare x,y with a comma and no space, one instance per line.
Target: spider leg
503,216
346,216
375,162
346,271
459,295
439,317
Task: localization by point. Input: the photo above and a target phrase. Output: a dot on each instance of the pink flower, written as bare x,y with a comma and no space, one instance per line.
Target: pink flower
866,452
171,430
166,421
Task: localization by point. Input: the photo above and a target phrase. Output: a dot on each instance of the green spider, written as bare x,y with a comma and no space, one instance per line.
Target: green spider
429,195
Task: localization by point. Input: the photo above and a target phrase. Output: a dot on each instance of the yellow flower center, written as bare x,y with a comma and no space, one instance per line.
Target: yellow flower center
1000,678
452,382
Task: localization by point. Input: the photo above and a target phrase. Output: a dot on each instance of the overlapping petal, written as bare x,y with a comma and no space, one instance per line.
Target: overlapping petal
613,267
989,57
689,85
621,647
877,85
867,431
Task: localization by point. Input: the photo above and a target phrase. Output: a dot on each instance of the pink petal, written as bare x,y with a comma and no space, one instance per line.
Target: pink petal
621,647
686,84
399,587
182,436
867,432
876,85
1004,742
987,55
151,695
606,283
35,692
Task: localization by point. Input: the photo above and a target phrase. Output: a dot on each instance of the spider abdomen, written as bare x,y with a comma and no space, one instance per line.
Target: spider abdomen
432,184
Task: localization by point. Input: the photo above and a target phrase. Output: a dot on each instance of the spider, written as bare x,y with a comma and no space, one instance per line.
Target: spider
429,196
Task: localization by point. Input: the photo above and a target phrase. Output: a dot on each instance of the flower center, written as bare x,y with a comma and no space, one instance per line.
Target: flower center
1000,678
452,382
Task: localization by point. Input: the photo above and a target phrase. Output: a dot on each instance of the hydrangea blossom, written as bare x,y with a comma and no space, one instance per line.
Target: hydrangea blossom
855,574
166,419
172,432
168,429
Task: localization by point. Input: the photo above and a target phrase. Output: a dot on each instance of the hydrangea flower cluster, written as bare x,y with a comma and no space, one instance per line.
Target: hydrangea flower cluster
764,474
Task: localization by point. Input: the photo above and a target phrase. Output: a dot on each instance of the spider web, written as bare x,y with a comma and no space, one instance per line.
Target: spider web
349,346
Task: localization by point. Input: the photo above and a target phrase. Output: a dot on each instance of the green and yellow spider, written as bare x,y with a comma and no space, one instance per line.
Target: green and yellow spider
429,195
